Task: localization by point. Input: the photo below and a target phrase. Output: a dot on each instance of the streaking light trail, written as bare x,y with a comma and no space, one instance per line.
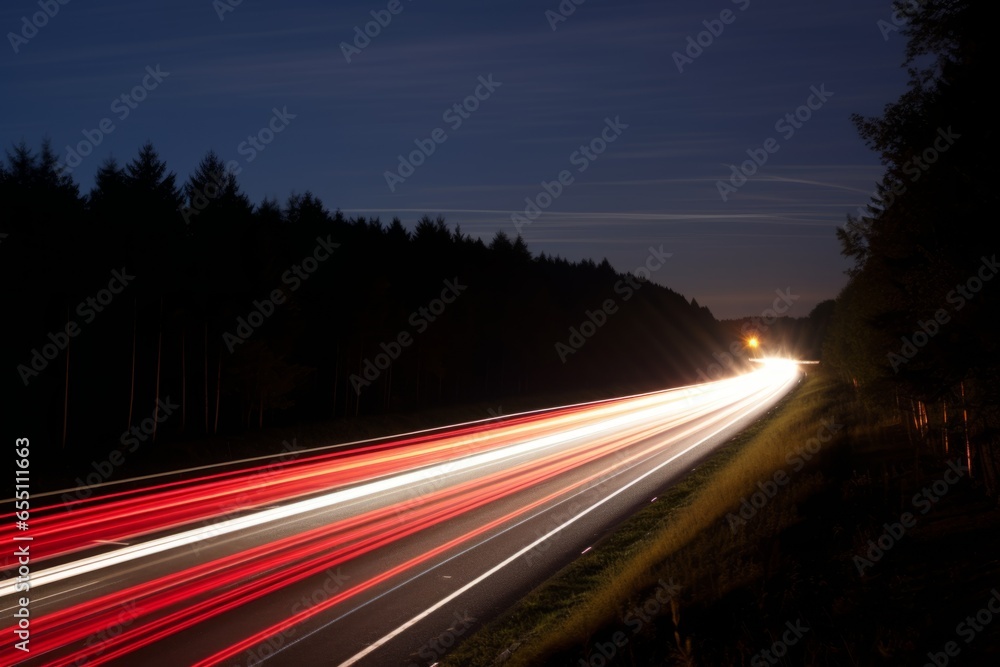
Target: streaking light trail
188,556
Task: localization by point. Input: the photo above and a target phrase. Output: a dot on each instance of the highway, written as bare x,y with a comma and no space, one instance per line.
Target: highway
382,553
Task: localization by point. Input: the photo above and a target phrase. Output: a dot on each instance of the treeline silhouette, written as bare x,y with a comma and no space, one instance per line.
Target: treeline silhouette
915,329
179,310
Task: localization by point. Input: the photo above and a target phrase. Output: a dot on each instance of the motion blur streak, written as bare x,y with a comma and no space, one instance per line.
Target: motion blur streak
390,510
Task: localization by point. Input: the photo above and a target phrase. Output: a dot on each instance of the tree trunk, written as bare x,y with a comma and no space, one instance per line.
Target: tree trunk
944,424
131,391
907,422
388,387
218,393
336,370
183,376
159,355
357,394
66,391
206,376
965,428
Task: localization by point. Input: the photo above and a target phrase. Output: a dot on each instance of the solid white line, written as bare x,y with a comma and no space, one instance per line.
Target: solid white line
430,610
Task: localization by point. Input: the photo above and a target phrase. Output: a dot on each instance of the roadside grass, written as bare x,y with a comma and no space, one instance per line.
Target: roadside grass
680,539
814,557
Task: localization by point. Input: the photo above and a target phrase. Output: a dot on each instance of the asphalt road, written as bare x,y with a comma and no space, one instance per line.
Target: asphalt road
383,555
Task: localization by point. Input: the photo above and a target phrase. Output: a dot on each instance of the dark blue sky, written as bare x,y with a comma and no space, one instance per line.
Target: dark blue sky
655,184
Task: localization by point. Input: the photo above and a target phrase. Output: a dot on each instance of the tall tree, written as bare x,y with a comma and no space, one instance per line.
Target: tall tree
152,203
908,318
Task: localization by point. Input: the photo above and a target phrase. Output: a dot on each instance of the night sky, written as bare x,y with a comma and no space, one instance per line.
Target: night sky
217,74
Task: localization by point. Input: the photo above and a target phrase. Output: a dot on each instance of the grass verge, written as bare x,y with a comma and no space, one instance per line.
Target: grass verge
592,593
816,570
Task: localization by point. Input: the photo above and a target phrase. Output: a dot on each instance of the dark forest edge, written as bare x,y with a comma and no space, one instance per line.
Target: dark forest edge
914,330
156,319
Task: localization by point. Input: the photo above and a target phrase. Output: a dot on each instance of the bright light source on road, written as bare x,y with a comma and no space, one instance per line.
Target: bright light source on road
779,364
